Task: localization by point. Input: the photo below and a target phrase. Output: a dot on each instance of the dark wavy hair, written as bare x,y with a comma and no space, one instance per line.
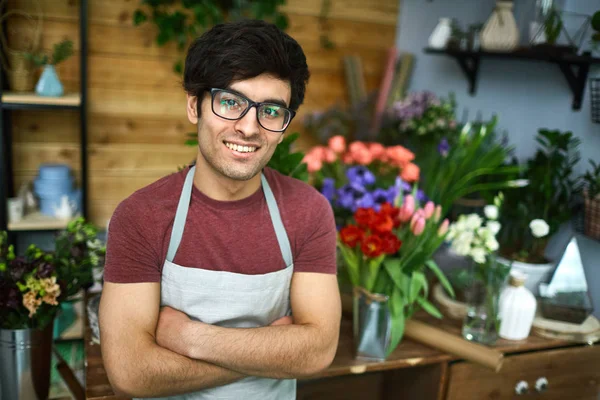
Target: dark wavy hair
242,50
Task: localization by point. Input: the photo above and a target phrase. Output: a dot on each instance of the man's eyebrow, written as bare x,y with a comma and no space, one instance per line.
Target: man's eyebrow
274,101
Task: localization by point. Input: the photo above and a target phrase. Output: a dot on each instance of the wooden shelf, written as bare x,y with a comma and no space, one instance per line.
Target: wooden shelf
38,222
20,100
574,67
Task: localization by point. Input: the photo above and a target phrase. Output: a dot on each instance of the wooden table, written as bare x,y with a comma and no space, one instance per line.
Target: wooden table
413,369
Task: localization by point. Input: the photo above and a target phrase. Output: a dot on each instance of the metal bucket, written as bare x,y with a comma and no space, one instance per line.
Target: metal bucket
372,325
25,356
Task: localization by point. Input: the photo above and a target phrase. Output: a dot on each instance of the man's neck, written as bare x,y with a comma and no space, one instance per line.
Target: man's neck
222,188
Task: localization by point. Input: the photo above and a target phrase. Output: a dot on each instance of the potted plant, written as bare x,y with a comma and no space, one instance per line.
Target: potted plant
386,253
474,237
590,190
29,300
49,84
532,214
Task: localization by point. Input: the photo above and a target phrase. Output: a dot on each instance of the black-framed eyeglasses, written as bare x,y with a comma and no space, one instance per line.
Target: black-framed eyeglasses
233,106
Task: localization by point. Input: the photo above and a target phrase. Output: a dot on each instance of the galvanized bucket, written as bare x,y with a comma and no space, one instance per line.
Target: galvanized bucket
372,325
25,356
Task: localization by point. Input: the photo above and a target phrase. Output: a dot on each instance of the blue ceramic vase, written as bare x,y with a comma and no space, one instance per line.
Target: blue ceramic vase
49,84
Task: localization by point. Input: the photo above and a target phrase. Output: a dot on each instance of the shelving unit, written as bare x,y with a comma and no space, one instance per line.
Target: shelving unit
10,101
575,68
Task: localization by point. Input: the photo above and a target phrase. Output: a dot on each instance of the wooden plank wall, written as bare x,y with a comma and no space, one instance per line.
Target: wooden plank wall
137,121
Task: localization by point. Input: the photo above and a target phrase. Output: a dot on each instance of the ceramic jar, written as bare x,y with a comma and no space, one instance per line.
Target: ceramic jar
516,308
500,32
441,34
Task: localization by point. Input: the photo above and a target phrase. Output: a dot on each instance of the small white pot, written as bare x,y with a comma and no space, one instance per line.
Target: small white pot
536,273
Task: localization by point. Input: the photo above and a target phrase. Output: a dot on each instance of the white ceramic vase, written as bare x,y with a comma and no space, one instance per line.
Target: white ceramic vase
516,308
441,34
500,32
536,273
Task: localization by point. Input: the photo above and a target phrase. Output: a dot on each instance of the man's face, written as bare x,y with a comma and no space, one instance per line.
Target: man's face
220,140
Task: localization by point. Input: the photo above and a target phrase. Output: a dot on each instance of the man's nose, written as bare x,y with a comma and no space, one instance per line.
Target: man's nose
248,125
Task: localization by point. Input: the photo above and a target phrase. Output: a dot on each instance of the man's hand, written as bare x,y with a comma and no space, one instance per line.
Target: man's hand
170,330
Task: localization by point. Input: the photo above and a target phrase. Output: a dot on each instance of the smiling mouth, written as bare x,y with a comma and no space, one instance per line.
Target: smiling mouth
241,148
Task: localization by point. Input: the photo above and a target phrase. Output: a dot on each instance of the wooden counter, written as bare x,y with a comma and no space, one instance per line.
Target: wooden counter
413,368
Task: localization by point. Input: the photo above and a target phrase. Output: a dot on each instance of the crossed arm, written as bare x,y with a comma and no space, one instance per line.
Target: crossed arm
151,353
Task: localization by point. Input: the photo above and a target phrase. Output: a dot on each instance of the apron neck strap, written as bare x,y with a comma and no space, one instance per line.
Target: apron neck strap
184,205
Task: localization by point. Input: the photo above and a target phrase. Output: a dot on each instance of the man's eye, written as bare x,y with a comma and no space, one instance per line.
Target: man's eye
271,112
229,103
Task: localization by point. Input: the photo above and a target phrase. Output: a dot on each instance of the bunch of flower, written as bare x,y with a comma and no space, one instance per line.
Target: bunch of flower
78,252
424,114
474,236
387,251
29,292
361,174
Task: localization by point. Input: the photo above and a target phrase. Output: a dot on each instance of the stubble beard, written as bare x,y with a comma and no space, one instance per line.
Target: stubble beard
237,171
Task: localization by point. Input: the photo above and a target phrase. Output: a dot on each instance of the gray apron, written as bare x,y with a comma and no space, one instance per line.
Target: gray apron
231,300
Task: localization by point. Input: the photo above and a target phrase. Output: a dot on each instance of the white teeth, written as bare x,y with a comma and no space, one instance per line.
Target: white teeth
240,149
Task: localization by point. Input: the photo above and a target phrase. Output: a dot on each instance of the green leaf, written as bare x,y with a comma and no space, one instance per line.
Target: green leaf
430,308
441,277
139,17
281,21
352,263
398,320
416,284
178,67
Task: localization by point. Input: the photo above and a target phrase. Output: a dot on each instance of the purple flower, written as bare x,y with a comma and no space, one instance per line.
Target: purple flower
422,197
9,296
381,196
348,195
360,175
18,268
365,201
328,189
444,147
45,270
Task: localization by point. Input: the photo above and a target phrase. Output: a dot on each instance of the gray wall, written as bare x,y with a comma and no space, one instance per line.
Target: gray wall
525,95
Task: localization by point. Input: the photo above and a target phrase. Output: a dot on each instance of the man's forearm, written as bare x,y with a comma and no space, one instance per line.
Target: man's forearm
286,351
152,371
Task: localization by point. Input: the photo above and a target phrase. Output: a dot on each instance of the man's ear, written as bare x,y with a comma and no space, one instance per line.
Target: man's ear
192,108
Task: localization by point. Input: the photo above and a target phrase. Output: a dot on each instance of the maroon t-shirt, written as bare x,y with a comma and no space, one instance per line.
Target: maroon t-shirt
236,236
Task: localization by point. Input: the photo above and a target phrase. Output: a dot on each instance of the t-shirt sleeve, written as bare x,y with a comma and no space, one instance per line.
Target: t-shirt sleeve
317,252
131,257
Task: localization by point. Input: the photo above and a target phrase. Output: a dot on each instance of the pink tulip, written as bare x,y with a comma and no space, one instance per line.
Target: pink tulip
399,155
313,164
416,216
360,153
438,213
429,209
419,226
410,172
329,155
405,214
409,201
337,144
443,228
377,150
317,152
347,158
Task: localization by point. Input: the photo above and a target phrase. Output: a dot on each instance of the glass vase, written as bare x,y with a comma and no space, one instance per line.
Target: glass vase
486,280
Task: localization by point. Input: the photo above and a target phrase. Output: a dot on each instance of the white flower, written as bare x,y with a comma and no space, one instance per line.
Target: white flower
462,243
473,222
491,212
494,227
539,228
478,255
492,244
518,183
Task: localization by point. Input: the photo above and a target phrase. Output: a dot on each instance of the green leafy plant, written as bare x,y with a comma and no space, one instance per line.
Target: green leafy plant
595,22
475,163
591,181
184,20
289,162
60,53
78,252
553,26
548,197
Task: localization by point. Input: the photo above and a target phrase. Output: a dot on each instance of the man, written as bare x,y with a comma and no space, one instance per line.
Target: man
205,266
